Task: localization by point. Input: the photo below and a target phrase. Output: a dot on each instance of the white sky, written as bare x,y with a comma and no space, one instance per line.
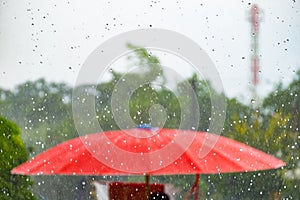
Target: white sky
52,39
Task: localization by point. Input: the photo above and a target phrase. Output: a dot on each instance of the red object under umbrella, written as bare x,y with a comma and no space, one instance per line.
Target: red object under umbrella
145,151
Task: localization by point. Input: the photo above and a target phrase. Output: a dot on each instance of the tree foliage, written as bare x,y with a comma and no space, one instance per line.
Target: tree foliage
12,153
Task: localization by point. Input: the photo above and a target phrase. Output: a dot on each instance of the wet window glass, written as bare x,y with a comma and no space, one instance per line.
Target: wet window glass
149,100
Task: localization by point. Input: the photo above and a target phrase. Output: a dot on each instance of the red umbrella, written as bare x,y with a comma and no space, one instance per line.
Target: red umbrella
148,152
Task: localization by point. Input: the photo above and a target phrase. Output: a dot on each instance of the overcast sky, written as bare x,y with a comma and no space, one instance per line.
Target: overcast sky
52,39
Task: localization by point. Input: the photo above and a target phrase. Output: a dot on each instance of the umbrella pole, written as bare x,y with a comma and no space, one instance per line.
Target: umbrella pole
147,189
195,187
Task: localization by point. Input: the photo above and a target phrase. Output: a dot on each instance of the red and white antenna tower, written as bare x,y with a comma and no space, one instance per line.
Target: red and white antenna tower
255,17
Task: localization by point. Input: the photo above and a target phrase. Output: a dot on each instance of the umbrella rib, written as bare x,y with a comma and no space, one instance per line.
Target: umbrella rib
245,164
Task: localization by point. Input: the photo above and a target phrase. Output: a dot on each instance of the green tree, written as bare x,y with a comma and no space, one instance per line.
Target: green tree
256,185
40,109
272,128
286,99
285,102
12,153
43,112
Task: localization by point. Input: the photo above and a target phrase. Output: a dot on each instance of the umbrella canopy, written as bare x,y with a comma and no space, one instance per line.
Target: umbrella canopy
143,151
